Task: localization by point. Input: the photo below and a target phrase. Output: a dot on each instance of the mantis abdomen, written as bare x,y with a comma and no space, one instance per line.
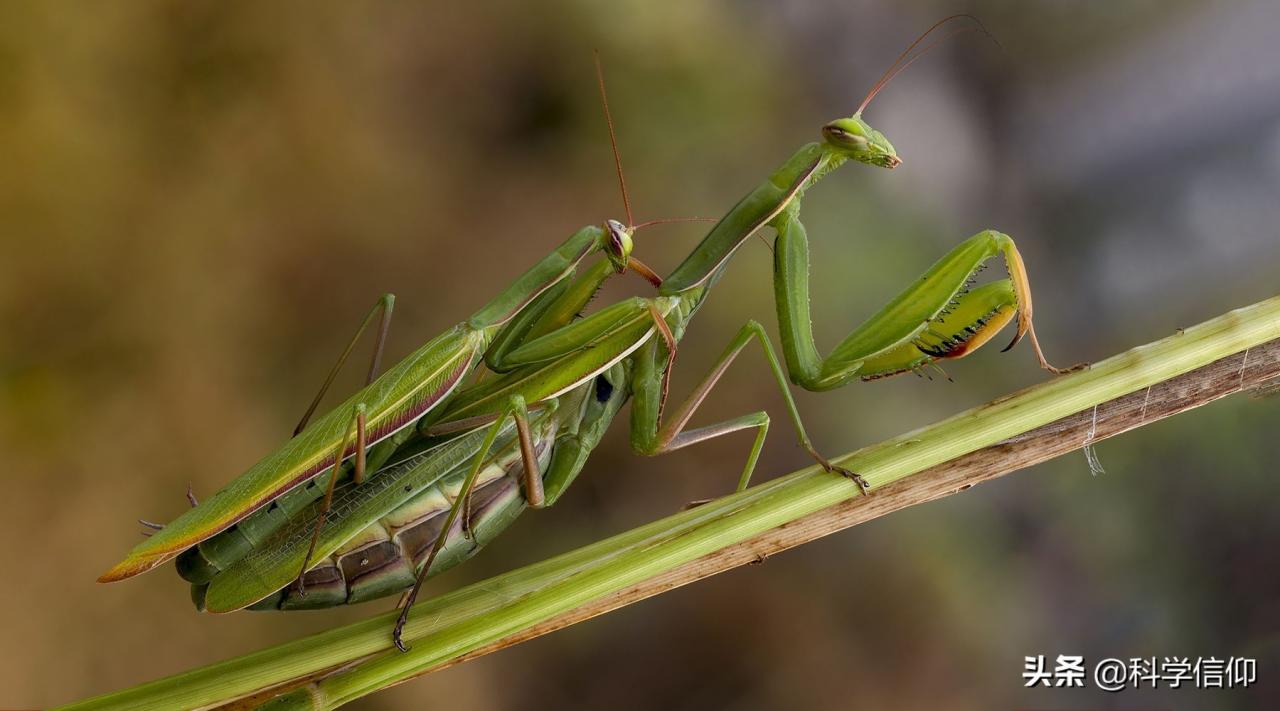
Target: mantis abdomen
379,532
384,558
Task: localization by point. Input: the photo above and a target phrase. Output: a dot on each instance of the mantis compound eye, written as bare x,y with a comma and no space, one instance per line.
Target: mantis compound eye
843,137
620,244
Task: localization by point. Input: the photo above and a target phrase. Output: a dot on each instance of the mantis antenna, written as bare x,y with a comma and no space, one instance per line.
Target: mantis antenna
613,139
637,265
670,220
899,65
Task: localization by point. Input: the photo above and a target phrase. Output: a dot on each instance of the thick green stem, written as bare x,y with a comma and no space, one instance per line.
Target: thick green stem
486,614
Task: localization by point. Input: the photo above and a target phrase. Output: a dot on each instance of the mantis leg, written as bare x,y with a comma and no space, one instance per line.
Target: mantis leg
377,455
384,306
533,491
937,317
191,499
553,309
650,436
357,427
515,408
532,474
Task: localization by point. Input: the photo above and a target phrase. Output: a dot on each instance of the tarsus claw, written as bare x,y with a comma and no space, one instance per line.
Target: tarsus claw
834,469
857,478
399,629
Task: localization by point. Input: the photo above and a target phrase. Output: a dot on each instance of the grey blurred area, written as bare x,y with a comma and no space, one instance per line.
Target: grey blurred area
198,201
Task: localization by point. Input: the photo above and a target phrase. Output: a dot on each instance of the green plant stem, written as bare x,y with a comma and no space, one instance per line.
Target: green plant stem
449,627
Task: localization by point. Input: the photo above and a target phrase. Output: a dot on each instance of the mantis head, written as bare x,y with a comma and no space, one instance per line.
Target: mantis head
618,247
854,138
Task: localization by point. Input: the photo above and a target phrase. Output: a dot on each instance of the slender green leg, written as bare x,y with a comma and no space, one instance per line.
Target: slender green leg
533,491
673,347
650,436
937,317
356,428
517,329
385,304
191,499
532,477
358,421
550,311
516,405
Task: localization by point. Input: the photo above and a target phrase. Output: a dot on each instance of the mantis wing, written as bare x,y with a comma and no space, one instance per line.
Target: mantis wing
395,400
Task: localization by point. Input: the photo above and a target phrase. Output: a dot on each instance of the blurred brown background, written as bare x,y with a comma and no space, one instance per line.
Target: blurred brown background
198,200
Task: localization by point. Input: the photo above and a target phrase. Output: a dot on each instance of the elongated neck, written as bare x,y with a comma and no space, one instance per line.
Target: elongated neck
757,209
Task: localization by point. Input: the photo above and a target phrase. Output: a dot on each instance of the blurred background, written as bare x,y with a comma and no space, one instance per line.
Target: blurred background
198,201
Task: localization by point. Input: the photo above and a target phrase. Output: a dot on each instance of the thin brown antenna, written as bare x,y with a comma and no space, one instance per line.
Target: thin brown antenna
894,69
613,139
669,220
923,52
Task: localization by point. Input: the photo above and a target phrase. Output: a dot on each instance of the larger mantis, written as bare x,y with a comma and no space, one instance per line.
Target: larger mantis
561,375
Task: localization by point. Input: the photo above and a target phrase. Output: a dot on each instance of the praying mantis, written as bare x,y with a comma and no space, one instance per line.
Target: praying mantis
417,470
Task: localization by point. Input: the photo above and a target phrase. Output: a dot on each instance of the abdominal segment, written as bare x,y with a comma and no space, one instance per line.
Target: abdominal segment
383,558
